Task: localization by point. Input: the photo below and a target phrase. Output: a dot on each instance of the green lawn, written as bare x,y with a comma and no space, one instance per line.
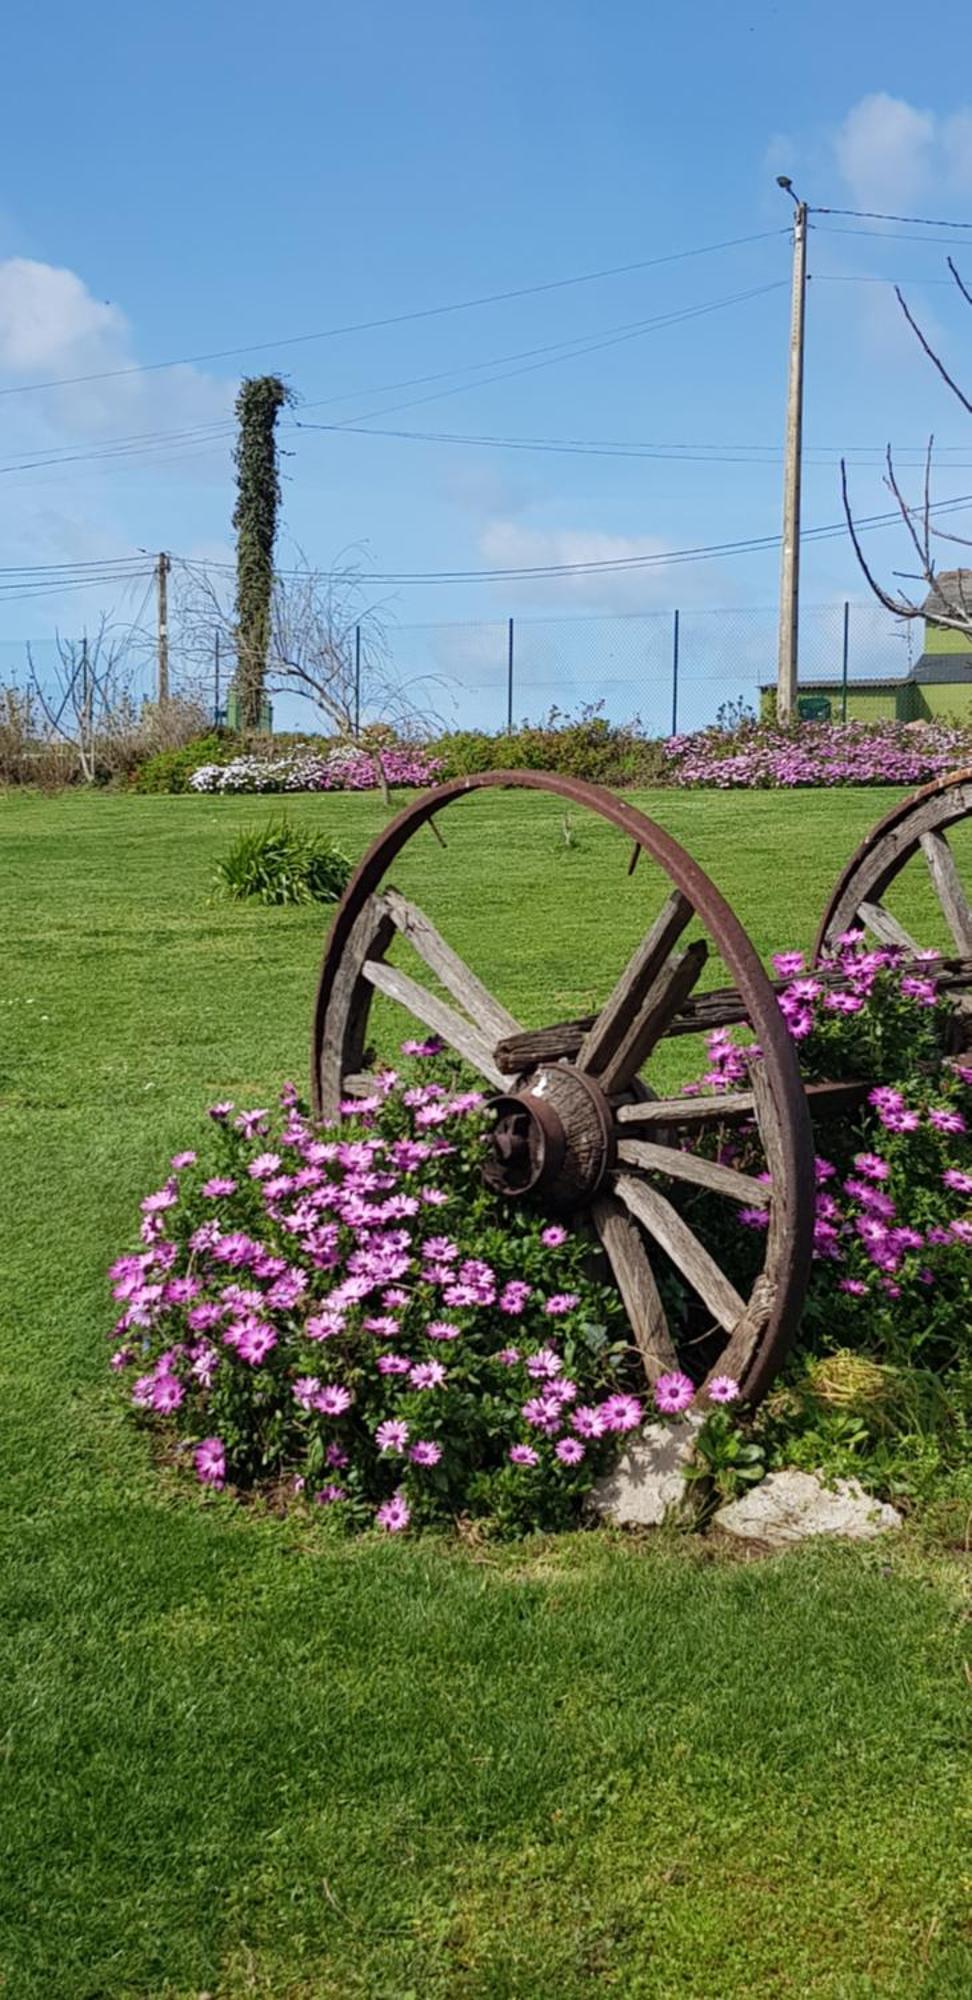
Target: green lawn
240,1759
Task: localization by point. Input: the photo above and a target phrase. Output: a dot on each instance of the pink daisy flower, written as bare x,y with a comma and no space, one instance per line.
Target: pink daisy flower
673,1393
523,1454
570,1451
554,1236
427,1375
442,1329
561,1302
425,1452
395,1515
333,1400
723,1389
392,1435
209,1459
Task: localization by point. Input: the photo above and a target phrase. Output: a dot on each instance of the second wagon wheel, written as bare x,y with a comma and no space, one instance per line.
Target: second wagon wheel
921,852
576,1129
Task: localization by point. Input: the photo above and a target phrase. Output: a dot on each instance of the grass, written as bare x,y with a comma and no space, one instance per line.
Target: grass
243,1759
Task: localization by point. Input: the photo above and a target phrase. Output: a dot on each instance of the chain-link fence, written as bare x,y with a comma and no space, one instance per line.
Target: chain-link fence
670,671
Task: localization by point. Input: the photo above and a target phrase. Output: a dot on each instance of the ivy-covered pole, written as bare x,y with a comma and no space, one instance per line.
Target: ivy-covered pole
260,400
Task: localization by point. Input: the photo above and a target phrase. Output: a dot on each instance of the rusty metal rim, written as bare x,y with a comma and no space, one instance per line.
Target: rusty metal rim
866,861
739,955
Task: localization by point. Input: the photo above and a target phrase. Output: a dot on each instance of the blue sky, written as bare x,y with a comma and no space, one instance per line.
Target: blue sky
200,178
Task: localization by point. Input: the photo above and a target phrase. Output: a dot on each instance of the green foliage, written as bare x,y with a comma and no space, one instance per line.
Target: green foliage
171,770
281,863
258,405
583,746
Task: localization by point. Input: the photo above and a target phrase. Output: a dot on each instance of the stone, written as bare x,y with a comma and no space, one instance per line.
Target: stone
792,1506
648,1484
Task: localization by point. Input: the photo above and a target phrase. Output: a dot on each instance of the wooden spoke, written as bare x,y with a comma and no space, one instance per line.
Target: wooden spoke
442,1019
658,1010
948,888
342,1048
690,1167
475,998
620,1010
695,1113
681,1244
626,1254
747,1334
886,928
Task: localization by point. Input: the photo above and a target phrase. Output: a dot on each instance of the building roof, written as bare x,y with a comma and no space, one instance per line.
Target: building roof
950,594
938,668
869,686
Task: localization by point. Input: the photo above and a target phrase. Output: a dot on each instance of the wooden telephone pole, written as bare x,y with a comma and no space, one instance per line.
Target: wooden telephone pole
786,673
162,568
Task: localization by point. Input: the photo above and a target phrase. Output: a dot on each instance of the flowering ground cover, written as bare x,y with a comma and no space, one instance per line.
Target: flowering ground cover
242,1757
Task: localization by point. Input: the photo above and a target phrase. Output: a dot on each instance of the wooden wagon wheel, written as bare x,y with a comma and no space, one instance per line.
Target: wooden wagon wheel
919,825
574,1129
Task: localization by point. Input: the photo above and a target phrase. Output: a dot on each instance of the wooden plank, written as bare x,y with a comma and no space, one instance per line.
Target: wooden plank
948,888
661,1004
694,1113
748,1333
639,975
720,1007
540,1045
456,976
626,1254
690,1167
886,928
681,1244
350,1002
437,1015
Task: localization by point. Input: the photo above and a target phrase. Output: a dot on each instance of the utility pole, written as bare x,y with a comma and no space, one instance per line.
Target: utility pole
786,673
162,568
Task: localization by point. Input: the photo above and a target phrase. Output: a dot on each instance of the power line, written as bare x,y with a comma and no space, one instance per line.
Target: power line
617,448
876,215
577,346
621,564
632,332
398,319
889,235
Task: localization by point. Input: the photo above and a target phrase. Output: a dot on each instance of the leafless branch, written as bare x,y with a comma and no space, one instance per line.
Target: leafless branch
930,351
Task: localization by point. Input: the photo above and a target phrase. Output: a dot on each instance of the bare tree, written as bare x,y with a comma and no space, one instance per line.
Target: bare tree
87,710
328,645
87,693
949,598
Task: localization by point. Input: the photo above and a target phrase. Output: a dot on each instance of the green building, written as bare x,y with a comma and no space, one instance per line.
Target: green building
938,687
232,715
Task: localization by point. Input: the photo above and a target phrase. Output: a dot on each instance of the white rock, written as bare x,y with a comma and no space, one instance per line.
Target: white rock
648,1484
790,1506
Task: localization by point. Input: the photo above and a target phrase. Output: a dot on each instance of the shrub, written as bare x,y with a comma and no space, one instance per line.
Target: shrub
281,863
170,770
767,755
584,746
342,768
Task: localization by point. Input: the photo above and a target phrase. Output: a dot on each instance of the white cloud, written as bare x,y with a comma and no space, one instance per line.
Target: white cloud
885,151
511,545
49,319
68,490
891,153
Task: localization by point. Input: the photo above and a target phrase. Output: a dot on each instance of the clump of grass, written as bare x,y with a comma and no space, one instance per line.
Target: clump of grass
280,863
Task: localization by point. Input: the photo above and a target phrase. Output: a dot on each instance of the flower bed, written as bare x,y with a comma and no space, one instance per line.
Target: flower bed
761,755
348,1313
344,769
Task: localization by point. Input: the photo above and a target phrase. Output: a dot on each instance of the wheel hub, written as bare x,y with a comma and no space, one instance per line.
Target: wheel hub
553,1137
